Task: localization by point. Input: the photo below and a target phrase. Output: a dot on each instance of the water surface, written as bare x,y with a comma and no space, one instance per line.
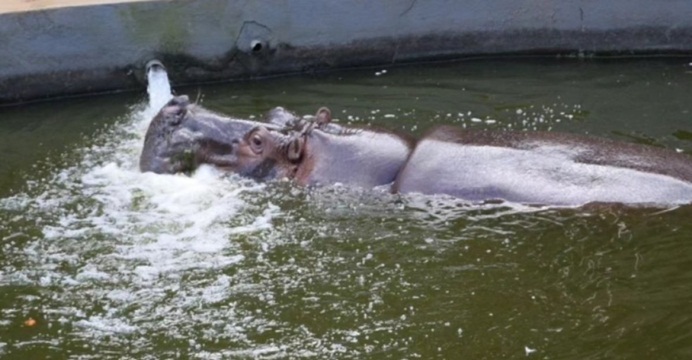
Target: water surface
112,263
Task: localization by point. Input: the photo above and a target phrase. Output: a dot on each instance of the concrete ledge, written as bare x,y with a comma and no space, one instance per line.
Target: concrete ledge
14,6
99,45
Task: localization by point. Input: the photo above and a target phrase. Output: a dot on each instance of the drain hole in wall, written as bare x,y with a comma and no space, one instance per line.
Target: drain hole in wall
256,46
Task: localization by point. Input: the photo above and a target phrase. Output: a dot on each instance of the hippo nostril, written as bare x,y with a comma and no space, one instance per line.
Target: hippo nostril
182,100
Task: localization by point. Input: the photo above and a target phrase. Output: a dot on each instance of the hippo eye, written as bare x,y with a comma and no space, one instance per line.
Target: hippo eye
256,143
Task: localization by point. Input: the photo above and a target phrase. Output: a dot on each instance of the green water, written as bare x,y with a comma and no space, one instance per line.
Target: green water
111,263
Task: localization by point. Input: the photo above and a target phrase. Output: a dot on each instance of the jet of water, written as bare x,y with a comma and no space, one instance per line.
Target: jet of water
158,86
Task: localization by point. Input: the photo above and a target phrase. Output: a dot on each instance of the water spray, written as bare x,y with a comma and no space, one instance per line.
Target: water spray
158,86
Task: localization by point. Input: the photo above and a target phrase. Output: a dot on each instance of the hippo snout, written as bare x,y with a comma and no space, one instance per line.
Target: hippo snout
175,111
181,100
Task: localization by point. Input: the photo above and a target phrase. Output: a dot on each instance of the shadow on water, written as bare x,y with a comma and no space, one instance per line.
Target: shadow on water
110,262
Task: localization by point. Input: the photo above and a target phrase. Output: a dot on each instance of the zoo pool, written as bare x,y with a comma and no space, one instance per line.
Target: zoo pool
111,263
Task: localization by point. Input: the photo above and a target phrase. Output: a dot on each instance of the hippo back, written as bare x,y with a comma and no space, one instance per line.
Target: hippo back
544,168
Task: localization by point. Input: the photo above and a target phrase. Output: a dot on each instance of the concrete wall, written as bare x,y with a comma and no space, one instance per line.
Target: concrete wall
103,47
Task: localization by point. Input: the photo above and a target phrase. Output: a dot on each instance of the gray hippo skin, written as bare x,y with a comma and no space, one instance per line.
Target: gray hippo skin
322,153
183,135
544,168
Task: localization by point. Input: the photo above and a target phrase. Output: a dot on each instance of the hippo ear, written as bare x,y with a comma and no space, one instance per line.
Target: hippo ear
323,116
295,149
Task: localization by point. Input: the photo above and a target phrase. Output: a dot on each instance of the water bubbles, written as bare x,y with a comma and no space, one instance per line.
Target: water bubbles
528,351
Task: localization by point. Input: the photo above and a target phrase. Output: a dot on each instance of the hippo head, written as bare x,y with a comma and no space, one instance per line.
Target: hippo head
321,153
266,153
183,136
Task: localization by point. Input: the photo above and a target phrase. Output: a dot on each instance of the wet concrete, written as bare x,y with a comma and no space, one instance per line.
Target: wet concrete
103,47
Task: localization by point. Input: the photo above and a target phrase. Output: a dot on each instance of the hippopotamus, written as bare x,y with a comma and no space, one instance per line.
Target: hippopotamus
547,168
321,153
183,135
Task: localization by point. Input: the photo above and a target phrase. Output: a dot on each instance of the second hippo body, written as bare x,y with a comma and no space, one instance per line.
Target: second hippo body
544,168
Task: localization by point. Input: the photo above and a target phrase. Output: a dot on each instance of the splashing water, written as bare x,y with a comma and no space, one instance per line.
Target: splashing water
119,252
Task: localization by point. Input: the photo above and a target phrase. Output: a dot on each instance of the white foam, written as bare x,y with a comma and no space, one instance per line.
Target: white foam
106,326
